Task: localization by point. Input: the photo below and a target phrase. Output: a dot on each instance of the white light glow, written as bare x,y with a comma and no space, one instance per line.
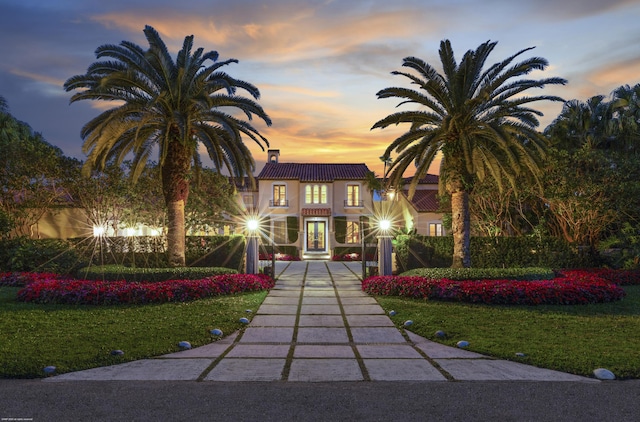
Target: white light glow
252,224
385,225
98,231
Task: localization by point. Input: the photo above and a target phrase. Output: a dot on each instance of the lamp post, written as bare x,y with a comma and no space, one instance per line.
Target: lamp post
252,264
384,248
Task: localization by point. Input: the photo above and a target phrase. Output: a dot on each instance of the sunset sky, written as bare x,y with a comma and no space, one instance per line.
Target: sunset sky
318,64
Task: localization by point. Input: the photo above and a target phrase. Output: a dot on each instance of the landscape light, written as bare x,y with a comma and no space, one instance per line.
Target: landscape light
98,231
385,225
252,224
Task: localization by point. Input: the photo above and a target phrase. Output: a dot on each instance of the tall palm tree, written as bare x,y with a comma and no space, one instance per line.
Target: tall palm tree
170,107
479,119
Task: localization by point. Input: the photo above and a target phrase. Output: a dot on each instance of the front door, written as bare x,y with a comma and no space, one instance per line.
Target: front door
316,236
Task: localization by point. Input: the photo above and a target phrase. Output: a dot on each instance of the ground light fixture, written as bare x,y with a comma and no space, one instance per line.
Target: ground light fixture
252,263
384,247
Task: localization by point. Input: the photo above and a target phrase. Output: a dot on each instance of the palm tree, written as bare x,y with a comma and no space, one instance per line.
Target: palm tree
480,121
169,107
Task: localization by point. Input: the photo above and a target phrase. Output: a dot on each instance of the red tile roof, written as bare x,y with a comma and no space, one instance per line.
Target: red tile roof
429,179
424,200
316,212
313,172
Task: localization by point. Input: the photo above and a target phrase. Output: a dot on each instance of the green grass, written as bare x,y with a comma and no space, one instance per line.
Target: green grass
575,339
72,338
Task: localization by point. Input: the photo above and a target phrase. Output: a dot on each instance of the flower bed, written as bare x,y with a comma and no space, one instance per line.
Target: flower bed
570,288
86,292
619,277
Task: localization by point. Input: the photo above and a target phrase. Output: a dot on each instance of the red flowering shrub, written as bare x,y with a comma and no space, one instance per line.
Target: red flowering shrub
571,288
85,292
619,277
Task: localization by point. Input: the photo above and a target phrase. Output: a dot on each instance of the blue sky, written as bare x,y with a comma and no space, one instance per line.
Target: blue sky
318,64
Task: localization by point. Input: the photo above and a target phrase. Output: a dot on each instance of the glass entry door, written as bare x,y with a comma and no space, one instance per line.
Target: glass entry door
316,236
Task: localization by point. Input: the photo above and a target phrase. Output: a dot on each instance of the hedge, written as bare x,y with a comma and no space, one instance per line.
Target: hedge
417,251
120,272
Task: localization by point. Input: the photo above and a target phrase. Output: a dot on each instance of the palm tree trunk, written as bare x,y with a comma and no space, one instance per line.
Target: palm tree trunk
461,227
176,234
175,184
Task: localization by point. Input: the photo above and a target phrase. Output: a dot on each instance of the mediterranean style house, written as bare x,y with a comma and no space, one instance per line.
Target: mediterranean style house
308,210
318,209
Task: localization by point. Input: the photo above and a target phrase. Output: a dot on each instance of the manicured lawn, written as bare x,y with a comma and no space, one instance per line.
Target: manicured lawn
575,339
72,337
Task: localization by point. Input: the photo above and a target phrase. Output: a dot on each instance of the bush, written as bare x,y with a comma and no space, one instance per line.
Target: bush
483,273
120,272
417,251
569,289
215,251
45,255
149,251
85,292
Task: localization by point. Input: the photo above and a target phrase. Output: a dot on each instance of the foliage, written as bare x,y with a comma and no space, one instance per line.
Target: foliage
292,228
172,107
211,197
340,225
23,254
479,119
91,292
33,176
215,251
129,274
574,288
483,273
499,252
627,243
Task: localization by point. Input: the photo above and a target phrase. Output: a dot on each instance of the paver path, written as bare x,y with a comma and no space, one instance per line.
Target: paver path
317,325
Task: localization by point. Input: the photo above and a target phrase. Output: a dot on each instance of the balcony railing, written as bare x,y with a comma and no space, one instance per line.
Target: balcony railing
354,204
279,203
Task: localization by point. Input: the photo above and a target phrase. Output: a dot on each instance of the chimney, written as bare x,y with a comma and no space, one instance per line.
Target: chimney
273,155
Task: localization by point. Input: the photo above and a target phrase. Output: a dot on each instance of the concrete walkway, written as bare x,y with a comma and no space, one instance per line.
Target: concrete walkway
317,325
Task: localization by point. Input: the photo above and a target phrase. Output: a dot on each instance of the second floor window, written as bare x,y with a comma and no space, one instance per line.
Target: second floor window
353,196
315,194
279,195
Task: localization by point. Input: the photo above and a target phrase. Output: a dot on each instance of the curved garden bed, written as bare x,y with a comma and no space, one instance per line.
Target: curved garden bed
52,289
568,288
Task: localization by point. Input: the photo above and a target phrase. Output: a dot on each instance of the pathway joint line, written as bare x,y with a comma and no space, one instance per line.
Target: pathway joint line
356,352
289,359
